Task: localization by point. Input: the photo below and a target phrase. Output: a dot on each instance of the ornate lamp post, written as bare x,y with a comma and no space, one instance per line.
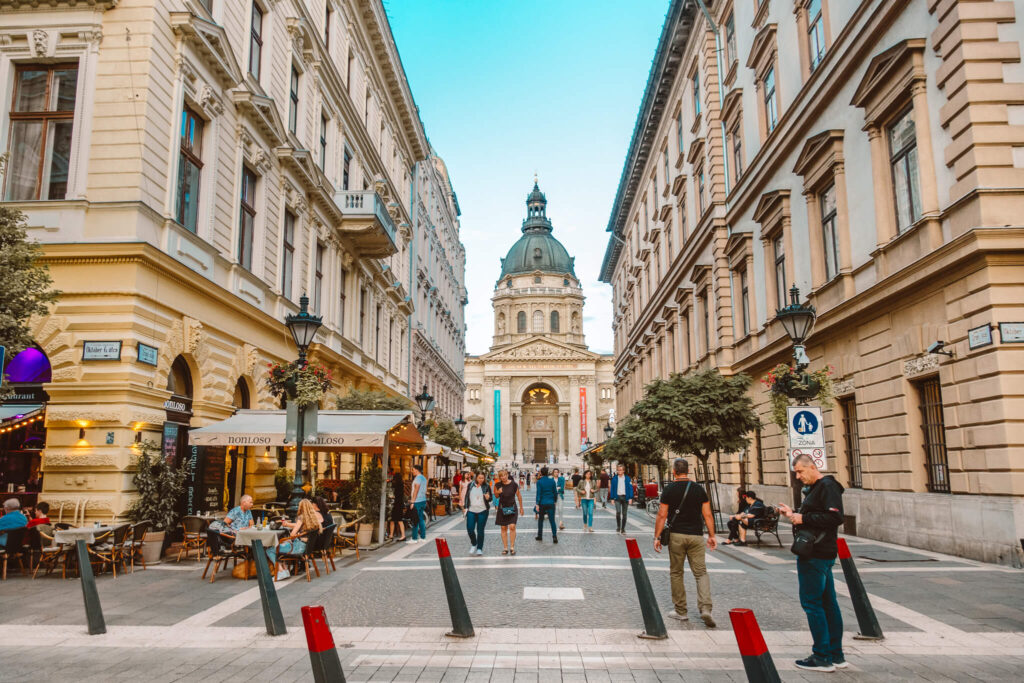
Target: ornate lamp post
303,327
460,424
798,321
423,402
479,436
608,431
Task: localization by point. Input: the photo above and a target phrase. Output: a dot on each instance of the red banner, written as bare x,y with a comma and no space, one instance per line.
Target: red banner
583,414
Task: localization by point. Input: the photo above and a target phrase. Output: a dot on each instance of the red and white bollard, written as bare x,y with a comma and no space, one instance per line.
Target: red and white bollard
757,661
322,654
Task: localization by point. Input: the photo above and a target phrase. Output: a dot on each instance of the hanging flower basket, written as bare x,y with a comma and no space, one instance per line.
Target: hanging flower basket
305,384
785,383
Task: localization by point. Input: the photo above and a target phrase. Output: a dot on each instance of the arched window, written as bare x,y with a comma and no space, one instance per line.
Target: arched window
28,367
554,321
241,397
521,322
538,321
179,379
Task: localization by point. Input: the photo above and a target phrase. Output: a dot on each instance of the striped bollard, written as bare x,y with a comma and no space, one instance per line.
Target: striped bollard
322,653
757,661
654,625
93,610
866,619
462,627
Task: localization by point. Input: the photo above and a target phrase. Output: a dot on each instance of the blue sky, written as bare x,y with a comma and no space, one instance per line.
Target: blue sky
506,88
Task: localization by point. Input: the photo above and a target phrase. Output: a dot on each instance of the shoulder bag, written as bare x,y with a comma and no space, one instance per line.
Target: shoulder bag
666,530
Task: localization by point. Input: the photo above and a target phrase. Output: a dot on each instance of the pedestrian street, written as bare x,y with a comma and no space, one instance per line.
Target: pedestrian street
551,612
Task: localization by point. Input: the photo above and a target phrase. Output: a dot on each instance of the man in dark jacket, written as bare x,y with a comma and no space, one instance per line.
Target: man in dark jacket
820,513
547,491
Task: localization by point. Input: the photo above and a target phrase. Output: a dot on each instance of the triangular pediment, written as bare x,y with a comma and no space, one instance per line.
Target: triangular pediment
539,349
211,42
884,68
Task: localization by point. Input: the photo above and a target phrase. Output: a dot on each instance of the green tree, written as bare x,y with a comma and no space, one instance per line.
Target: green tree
445,433
160,483
635,442
27,286
699,413
368,399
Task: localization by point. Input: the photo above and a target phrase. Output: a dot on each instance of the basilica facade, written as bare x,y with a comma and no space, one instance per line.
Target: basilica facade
539,393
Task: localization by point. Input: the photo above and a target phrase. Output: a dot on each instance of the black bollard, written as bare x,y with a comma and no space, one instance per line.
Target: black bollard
462,627
93,610
866,619
268,593
654,625
757,661
323,656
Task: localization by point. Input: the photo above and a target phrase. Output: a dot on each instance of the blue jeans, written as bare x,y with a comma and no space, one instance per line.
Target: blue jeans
548,510
818,598
588,511
298,546
475,523
419,527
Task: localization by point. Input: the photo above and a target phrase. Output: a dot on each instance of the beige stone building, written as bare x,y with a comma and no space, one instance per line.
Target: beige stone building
193,167
539,393
869,154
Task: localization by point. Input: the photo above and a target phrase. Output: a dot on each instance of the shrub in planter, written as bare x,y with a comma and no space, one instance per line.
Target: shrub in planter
367,499
283,482
160,483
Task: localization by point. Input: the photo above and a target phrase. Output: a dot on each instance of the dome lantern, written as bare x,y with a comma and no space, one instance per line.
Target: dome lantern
537,250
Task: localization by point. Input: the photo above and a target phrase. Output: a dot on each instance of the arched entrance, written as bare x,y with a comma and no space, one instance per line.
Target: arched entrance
540,423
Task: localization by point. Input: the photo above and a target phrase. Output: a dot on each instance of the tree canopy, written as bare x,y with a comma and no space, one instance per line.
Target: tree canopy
27,284
445,433
368,399
635,442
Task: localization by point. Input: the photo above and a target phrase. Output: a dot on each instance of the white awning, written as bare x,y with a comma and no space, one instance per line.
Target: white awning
337,430
471,458
19,411
457,456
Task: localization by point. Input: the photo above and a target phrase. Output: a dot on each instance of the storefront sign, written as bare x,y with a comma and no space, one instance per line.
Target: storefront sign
101,350
979,337
147,354
25,393
583,414
179,409
1011,333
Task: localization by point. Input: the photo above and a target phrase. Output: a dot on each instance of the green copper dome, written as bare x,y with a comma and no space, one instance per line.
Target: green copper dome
537,249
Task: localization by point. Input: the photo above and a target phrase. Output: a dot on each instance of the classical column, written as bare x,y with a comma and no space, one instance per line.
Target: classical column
564,429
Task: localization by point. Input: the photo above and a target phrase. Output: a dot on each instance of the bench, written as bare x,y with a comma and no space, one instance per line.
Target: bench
769,524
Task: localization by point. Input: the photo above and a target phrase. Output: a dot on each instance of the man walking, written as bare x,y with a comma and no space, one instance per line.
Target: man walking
576,477
560,498
602,489
820,514
686,510
418,503
547,492
621,492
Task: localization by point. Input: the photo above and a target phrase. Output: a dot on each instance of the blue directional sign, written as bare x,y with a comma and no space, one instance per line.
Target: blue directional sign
805,427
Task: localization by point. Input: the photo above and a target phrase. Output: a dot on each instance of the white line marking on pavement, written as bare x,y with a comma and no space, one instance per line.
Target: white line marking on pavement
410,548
470,564
905,614
173,567
761,555
552,593
210,616
516,558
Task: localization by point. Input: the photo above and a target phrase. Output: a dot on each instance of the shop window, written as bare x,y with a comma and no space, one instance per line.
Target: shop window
42,112
190,166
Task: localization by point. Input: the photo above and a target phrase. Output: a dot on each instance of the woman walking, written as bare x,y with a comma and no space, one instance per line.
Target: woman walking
478,505
508,514
398,508
306,522
588,492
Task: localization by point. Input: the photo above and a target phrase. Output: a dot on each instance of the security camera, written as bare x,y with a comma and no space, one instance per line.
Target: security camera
937,347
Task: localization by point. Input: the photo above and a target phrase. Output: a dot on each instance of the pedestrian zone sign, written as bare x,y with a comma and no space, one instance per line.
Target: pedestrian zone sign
817,455
806,428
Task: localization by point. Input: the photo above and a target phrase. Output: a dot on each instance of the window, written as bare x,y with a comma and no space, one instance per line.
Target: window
190,165
293,100
554,322
538,322
700,190
342,296
682,218
679,131
288,254
815,33
934,427
327,24
521,322
829,241
702,312
376,335
348,71
771,114
345,170
255,41
851,437
42,110
362,314
737,151
664,158
247,222
744,303
903,159
780,271
323,141
318,277
730,39
696,93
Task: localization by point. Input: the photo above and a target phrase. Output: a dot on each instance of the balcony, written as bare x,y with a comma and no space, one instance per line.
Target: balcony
365,221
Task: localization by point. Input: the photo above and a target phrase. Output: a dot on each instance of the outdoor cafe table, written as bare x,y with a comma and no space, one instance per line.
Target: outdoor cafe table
245,537
85,533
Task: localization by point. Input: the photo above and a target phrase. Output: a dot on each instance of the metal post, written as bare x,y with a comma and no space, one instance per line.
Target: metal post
384,465
93,610
268,594
297,492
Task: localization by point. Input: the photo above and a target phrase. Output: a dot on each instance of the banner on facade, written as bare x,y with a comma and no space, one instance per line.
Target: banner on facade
497,421
583,414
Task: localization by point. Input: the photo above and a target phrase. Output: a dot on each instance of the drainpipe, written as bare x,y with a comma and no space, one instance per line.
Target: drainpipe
721,90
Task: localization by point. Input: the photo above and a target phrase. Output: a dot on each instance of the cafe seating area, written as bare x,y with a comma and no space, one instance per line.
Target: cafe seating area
53,547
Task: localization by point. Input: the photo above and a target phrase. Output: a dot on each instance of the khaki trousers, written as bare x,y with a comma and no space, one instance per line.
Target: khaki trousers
687,547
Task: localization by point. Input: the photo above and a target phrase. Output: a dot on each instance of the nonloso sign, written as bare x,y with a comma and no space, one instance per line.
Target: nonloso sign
806,428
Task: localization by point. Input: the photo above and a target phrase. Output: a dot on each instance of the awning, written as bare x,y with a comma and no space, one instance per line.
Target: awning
19,411
337,430
471,458
457,456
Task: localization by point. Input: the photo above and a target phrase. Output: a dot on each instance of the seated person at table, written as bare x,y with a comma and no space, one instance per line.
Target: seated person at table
40,516
13,518
240,517
308,520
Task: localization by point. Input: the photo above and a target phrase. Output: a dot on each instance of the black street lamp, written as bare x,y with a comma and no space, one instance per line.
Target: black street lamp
423,402
798,321
303,327
479,436
460,424
608,431
491,442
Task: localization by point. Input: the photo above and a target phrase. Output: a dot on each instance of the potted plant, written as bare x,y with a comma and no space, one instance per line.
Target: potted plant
785,382
367,499
283,482
305,382
160,483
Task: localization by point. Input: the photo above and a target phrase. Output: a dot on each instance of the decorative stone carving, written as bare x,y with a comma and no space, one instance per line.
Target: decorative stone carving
56,414
209,102
261,160
79,460
920,365
843,387
93,36
193,334
40,43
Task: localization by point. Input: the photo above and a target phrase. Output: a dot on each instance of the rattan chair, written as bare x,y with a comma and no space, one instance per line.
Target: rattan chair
326,548
346,538
51,553
13,550
112,550
306,557
227,552
194,538
134,544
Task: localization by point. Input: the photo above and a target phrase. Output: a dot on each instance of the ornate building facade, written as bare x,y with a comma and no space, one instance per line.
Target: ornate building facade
539,393
209,162
865,152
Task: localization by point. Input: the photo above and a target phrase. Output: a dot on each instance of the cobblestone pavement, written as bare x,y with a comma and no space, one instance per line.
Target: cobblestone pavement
944,618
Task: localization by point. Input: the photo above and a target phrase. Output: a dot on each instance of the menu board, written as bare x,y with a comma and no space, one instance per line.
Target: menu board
170,441
211,489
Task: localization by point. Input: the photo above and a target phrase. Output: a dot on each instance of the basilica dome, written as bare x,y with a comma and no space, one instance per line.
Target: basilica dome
537,250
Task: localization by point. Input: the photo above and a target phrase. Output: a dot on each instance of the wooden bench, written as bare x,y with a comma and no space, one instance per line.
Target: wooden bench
769,524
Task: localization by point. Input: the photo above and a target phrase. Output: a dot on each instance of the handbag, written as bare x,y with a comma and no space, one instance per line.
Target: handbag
666,533
804,541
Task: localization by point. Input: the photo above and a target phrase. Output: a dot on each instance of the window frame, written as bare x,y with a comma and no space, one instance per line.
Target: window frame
731,53
771,111
779,268
256,40
318,276
901,157
851,440
247,218
324,121
342,298
293,100
288,254
346,169
187,153
521,322
744,301
695,92
830,228
816,31
555,323
933,427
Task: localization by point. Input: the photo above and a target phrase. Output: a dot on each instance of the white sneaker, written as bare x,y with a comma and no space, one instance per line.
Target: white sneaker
472,550
479,552
282,574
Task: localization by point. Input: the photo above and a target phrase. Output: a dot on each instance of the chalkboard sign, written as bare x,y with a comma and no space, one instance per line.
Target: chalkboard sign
211,489
170,441
191,479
